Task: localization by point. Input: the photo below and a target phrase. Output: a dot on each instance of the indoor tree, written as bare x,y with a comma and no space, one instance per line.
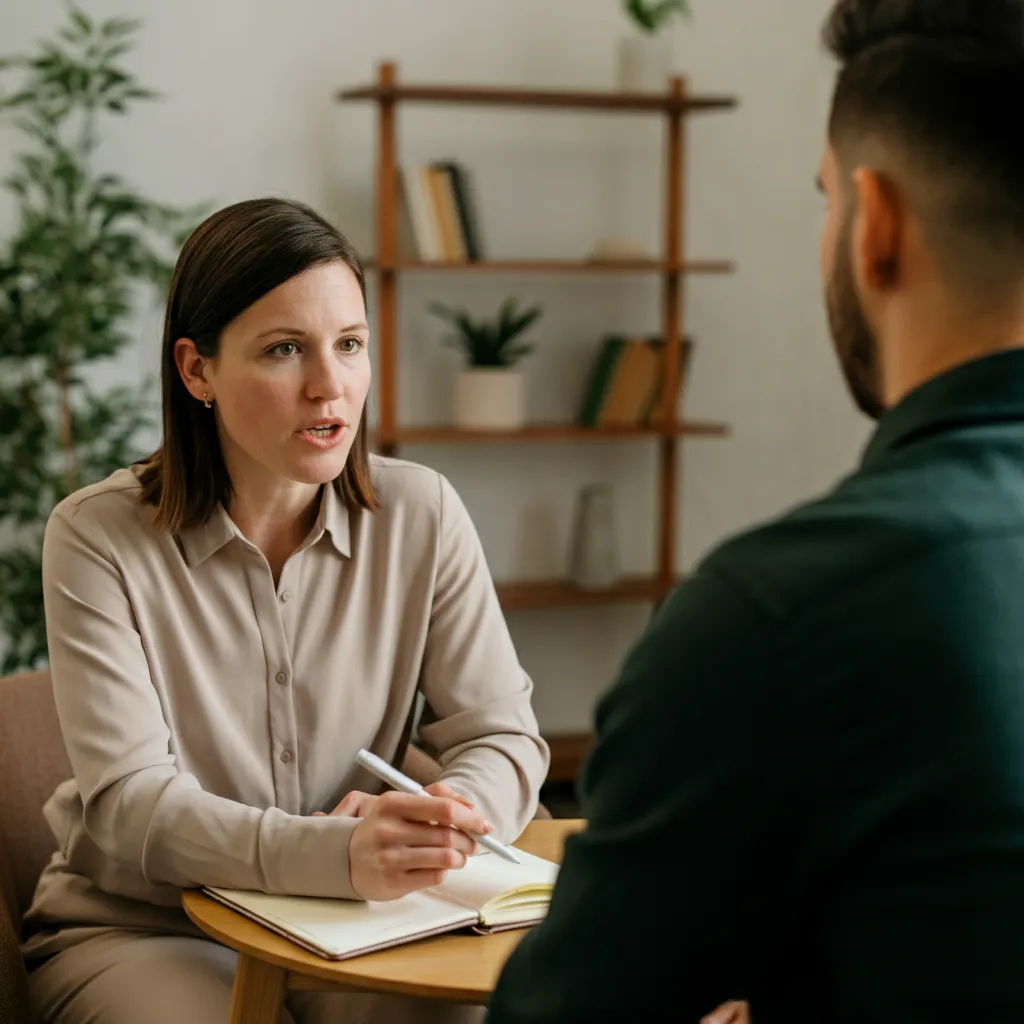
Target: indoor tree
83,243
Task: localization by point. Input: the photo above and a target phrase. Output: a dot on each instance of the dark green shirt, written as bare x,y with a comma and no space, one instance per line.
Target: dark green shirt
808,782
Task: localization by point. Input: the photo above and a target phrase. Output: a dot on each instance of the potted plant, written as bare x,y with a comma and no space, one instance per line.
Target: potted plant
645,56
489,393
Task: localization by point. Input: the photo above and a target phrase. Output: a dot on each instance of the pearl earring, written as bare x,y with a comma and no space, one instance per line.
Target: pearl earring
206,400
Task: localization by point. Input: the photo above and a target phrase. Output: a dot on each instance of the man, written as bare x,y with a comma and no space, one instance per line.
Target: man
807,789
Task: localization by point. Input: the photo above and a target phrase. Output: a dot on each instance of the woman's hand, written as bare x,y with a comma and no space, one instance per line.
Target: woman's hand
355,804
729,1013
406,842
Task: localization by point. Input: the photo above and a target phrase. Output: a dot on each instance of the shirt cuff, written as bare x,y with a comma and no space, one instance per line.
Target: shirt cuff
307,856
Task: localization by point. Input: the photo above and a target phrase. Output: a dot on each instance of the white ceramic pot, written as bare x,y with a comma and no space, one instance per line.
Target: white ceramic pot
645,62
489,398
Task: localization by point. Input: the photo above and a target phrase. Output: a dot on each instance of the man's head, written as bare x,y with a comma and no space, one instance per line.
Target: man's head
924,175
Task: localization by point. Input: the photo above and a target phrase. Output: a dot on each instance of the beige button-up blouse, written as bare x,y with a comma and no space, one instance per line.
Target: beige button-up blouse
208,713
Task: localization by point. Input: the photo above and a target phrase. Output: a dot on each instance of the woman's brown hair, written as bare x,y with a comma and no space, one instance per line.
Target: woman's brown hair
235,257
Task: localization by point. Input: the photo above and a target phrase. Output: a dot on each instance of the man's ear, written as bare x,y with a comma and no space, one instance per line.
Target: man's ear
879,227
192,367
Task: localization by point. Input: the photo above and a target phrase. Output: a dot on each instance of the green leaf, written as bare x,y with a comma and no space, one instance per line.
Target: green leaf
488,343
81,19
651,15
115,28
137,93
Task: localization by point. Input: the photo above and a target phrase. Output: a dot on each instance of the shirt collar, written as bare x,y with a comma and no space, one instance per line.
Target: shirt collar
200,542
985,390
332,519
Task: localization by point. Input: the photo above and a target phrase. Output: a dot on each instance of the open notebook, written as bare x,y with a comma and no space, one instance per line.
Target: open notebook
489,894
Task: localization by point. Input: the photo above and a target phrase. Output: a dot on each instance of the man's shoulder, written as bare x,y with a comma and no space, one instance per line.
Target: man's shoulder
870,526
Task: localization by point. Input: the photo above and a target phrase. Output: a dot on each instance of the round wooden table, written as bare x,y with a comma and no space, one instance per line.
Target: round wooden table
458,968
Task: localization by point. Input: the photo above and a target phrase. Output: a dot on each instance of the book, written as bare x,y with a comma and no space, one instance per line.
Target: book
488,895
466,207
419,210
628,393
609,353
626,381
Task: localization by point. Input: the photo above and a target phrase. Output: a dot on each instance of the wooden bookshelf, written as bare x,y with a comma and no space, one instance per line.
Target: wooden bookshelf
672,267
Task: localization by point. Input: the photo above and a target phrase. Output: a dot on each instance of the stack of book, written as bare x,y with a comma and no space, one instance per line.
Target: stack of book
441,213
626,382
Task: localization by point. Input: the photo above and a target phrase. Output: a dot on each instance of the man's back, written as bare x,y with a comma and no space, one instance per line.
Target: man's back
808,788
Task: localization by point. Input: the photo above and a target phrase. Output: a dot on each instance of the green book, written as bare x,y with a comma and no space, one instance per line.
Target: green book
600,377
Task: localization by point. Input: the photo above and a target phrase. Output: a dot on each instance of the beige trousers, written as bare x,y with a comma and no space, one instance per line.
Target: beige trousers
122,977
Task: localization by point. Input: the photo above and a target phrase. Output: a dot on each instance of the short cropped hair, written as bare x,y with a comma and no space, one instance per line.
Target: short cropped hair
928,91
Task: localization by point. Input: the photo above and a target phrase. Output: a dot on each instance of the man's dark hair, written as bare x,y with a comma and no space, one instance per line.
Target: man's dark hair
929,92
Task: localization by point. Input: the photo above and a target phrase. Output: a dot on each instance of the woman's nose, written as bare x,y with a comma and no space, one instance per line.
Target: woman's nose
326,380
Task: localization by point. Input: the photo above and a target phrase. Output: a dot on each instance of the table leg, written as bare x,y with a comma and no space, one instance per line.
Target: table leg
259,992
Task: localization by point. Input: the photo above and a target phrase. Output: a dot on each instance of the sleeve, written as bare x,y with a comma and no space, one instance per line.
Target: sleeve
138,808
684,876
478,716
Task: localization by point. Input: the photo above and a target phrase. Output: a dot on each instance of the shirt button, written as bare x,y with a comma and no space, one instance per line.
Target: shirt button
286,756
282,677
286,595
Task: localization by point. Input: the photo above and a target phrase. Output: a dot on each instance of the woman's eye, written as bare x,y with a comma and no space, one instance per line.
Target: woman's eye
285,348
350,345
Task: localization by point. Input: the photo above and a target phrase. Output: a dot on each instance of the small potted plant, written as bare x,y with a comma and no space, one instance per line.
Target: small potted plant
489,393
645,57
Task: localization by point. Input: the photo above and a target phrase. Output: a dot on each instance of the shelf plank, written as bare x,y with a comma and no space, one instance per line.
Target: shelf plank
553,433
552,99
557,266
565,594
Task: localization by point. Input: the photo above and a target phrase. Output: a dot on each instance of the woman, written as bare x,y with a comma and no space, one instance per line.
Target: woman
232,619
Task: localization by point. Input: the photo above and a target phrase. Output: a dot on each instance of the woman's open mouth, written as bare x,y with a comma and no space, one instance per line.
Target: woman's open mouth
323,435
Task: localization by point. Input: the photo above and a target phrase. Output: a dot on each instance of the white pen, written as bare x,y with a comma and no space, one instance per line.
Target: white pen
393,777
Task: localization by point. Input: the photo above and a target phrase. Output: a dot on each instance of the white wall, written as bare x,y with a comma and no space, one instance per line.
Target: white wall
248,110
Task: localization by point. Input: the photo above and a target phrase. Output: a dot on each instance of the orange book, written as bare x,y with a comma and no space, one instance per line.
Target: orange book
620,400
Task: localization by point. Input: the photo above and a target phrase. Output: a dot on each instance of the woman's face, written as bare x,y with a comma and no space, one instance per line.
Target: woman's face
289,382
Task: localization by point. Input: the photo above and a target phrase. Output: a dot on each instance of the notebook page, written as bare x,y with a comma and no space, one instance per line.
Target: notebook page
337,929
487,877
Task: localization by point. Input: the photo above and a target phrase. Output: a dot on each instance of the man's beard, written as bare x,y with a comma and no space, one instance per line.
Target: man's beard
854,340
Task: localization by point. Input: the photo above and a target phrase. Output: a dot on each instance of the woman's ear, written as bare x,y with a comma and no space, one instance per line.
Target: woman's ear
192,367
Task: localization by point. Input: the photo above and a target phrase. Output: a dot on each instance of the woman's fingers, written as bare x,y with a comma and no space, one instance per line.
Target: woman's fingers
728,1013
406,859
416,834
443,789
440,810
354,804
